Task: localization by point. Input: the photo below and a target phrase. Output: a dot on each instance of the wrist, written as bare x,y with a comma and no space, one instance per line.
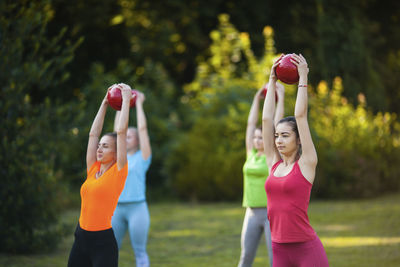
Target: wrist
125,102
126,98
303,80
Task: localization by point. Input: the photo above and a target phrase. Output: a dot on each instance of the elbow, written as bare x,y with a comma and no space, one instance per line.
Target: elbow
313,161
299,114
121,130
267,123
142,128
92,134
268,115
267,119
311,158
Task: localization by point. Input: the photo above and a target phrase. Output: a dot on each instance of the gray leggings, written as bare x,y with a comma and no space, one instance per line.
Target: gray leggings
254,224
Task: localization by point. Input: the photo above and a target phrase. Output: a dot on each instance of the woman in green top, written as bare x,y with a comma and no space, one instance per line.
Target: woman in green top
255,172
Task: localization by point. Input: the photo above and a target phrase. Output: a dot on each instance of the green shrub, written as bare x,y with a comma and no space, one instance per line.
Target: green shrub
206,161
31,66
358,151
210,156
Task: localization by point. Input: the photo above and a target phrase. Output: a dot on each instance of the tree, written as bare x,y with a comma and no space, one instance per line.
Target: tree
31,67
358,41
206,161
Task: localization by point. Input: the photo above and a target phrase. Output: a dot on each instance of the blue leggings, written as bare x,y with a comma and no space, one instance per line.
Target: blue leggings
135,217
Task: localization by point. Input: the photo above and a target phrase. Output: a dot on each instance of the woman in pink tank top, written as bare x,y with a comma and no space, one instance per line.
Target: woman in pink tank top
293,159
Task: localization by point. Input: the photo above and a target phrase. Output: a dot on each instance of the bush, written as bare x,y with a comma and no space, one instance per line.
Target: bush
207,160
210,157
358,151
31,66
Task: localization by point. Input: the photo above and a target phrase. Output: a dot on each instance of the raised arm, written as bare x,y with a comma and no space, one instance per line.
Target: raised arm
122,125
268,128
116,119
280,106
308,159
94,134
252,120
144,139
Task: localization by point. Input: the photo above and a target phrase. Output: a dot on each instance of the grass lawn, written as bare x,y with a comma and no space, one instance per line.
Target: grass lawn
354,233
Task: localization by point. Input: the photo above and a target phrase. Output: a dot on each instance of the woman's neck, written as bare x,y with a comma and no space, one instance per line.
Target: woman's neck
132,151
289,159
260,152
105,166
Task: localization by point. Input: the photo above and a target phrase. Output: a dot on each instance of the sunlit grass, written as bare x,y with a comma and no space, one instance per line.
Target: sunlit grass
354,233
356,241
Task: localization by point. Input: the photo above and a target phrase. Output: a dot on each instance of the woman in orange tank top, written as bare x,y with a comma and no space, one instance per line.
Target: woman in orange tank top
107,169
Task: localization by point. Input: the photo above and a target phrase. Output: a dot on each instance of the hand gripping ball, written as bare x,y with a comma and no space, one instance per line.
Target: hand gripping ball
286,71
114,97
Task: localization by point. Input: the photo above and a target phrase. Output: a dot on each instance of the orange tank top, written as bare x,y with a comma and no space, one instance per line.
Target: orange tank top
99,197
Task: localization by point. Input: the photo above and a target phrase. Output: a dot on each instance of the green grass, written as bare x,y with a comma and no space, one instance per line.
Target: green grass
354,233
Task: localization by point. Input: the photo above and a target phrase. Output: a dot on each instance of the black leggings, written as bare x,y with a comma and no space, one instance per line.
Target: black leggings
94,249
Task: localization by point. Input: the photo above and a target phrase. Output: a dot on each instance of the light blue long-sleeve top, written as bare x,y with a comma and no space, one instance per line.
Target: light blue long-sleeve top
135,185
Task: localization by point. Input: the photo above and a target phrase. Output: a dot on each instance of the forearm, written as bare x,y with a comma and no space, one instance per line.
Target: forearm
140,117
122,124
144,139
116,119
280,108
97,124
269,103
253,114
302,98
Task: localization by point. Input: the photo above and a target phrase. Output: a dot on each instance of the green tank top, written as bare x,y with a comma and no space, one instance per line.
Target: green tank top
255,173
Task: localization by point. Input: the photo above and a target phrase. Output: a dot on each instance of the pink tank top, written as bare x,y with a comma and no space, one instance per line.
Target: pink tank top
288,199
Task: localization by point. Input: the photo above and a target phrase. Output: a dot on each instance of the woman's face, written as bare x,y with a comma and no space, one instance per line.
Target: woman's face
286,140
106,150
258,140
132,139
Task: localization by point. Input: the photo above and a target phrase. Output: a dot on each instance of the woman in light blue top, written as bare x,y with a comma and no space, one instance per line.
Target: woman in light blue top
132,213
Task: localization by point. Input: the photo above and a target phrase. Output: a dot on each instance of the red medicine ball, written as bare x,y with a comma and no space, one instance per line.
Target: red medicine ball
286,71
114,97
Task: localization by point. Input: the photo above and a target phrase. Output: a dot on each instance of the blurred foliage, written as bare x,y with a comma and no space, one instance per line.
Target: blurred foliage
33,128
358,151
351,141
206,163
357,40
